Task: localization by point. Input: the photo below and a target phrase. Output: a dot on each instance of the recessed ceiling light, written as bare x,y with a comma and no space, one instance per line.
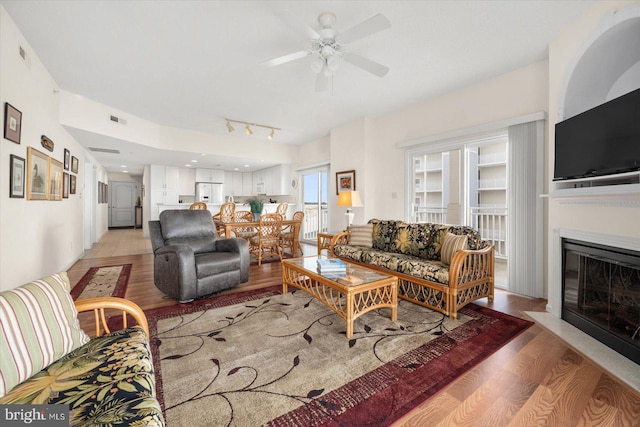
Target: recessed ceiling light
125,171
123,166
188,165
203,155
236,169
194,161
246,166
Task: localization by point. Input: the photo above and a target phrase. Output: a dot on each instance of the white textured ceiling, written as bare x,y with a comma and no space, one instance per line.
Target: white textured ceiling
189,64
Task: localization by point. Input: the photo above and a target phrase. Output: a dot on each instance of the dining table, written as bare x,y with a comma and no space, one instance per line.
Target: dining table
230,226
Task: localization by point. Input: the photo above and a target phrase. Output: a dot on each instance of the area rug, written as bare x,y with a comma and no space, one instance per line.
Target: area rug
103,282
263,358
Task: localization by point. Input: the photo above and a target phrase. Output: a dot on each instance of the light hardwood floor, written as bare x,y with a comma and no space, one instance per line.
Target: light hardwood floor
535,380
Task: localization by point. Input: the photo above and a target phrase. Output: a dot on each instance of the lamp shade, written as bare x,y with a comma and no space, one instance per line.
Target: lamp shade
350,199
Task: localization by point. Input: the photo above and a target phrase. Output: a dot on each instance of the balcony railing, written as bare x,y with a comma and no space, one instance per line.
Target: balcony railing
436,215
491,222
314,221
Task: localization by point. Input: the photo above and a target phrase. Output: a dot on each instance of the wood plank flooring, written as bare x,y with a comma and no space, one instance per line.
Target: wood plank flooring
535,380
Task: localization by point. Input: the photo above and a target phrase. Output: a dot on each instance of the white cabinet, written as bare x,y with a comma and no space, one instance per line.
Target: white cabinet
209,175
164,181
228,184
236,184
247,182
273,181
187,179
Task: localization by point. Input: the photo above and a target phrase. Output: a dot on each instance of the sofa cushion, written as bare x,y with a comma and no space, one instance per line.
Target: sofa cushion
108,381
451,244
184,224
213,263
385,234
361,235
38,325
198,244
434,271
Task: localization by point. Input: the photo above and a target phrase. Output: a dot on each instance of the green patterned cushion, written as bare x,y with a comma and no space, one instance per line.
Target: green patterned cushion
38,325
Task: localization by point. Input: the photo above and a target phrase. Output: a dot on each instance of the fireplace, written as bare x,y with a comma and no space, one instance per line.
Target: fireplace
601,294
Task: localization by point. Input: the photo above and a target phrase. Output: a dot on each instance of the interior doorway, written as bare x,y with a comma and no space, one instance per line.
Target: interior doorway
122,198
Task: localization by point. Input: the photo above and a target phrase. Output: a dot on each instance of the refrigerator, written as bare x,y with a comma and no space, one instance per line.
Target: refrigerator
210,192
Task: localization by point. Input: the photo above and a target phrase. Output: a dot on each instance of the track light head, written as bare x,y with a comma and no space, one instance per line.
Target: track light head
229,127
248,130
273,131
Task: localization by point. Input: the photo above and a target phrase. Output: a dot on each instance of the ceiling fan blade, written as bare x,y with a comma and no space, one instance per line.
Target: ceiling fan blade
286,58
322,82
366,64
372,25
292,21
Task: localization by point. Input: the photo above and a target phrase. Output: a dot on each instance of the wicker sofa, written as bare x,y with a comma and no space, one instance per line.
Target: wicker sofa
411,252
48,359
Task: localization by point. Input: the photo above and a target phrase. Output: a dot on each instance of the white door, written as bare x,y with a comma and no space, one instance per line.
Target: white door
122,196
314,196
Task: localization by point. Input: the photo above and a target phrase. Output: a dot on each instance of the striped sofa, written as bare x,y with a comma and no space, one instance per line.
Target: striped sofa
413,252
48,359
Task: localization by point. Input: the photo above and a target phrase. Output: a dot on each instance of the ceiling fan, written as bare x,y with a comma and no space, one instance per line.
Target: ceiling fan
328,46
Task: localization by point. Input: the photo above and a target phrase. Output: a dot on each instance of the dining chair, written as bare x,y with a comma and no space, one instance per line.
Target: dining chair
198,206
282,209
244,232
289,236
266,242
227,210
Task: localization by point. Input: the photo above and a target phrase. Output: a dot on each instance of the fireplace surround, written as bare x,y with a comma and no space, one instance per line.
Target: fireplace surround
601,293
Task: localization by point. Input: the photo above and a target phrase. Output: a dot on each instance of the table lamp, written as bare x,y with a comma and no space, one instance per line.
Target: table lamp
349,199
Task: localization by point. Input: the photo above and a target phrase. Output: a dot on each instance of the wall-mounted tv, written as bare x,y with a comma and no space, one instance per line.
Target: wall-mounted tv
602,141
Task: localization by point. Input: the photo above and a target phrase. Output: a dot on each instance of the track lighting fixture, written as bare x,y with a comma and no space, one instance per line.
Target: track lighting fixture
247,127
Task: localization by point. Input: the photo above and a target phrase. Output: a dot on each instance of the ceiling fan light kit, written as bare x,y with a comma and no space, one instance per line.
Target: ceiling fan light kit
328,48
247,127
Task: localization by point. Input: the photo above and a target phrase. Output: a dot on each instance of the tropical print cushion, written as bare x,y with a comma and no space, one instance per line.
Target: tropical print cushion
385,234
108,382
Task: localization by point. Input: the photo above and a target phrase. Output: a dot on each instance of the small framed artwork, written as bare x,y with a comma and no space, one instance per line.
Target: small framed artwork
55,179
67,159
72,184
65,185
99,192
12,123
345,181
37,175
74,164
16,177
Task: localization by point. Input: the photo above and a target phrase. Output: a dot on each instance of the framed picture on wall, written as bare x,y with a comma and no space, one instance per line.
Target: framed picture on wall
345,181
67,159
16,177
12,123
74,164
72,184
55,179
37,175
65,185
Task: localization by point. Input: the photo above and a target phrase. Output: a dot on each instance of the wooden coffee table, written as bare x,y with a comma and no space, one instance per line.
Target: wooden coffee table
360,291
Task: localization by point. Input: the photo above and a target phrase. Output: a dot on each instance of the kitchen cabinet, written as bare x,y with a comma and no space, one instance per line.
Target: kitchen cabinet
209,175
164,182
274,181
237,184
187,179
247,182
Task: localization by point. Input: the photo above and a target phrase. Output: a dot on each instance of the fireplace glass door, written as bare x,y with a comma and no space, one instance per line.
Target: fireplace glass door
601,294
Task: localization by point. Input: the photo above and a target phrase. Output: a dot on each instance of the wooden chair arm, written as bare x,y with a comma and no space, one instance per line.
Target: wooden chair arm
468,266
98,305
339,239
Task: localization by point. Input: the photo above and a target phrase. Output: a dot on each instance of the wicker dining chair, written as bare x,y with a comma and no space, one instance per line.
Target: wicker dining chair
282,209
227,210
289,235
266,242
198,206
244,232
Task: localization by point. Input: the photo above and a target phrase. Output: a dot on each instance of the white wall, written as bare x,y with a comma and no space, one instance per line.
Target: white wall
614,219
37,238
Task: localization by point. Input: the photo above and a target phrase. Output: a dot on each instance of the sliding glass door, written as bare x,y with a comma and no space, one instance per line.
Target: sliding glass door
314,186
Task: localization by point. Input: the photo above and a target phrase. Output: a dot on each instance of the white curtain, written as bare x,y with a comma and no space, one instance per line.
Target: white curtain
525,208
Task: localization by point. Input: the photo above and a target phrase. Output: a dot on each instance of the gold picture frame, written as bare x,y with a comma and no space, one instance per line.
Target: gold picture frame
55,179
37,175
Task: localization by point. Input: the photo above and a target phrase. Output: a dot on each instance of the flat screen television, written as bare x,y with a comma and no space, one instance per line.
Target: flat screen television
602,141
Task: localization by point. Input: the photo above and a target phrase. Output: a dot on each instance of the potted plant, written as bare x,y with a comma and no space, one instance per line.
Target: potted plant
255,204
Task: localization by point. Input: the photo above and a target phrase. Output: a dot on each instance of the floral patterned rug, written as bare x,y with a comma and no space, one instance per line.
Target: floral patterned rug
263,358
103,282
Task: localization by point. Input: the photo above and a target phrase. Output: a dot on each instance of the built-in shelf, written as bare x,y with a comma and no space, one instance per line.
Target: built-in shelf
492,189
620,189
491,165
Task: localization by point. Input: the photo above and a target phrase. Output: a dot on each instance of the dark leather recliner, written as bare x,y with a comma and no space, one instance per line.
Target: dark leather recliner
191,260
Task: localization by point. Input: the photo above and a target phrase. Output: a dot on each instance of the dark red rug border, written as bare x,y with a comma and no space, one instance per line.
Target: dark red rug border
492,339
118,291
